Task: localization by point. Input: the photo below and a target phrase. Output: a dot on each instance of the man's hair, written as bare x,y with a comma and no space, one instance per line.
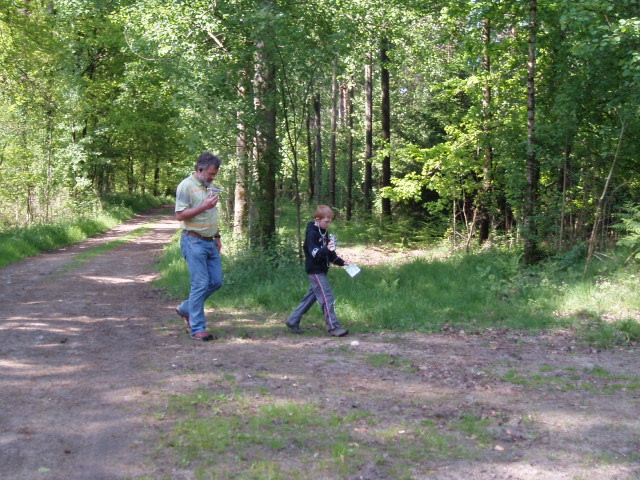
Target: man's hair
324,211
206,159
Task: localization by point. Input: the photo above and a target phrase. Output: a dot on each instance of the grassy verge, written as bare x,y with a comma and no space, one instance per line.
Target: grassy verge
470,292
16,244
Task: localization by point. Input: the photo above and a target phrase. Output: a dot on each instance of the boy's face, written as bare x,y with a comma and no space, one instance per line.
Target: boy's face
324,222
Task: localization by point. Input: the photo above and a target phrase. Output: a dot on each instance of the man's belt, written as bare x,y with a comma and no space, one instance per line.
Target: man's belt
194,234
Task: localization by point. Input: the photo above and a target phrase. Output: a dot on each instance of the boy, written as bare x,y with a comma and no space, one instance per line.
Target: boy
319,253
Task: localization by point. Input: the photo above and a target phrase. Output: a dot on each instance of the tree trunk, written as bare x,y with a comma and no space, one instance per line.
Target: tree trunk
386,125
142,183
292,136
564,185
368,148
318,149
332,146
483,204
600,204
310,155
266,148
349,109
240,203
242,154
531,194
131,177
156,177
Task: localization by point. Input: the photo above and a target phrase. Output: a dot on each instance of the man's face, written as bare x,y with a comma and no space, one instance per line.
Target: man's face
206,176
324,222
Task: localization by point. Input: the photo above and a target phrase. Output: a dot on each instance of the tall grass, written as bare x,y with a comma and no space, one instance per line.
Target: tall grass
464,291
467,291
19,243
482,289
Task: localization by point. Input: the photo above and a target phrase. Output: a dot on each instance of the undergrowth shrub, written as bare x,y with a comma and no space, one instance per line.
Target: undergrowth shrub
19,243
629,227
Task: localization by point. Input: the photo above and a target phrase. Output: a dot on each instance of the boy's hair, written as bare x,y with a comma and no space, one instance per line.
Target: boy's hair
324,211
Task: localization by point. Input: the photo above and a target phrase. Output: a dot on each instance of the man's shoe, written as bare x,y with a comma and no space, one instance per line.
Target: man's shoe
338,332
294,329
185,317
204,336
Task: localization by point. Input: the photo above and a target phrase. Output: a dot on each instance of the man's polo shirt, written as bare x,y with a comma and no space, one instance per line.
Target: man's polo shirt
191,193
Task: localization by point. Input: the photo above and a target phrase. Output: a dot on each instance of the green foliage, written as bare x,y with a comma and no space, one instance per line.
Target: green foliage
403,232
19,243
469,292
110,97
134,202
629,227
25,242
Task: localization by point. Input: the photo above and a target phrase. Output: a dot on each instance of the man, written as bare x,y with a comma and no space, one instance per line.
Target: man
200,241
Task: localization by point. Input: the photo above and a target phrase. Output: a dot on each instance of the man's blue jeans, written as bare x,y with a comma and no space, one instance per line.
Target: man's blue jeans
205,269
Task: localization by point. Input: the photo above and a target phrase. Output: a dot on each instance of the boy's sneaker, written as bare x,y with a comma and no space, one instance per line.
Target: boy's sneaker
204,336
185,317
294,328
338,332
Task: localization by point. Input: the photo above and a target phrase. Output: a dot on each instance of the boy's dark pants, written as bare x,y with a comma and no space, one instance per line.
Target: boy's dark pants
319,291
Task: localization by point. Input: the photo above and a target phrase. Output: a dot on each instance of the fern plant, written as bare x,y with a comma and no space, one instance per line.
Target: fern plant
630,227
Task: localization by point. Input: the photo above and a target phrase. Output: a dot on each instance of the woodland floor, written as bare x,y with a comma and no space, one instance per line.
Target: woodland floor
90,350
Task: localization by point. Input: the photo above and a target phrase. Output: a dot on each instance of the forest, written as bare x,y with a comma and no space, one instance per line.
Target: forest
483,161
475,121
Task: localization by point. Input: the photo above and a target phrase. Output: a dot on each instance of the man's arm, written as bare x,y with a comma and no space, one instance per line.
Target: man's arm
189,213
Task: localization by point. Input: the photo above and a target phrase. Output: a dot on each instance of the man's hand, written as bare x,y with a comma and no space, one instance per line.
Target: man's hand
209,202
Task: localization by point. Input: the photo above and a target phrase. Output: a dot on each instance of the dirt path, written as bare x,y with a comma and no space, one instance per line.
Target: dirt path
73,350
88,353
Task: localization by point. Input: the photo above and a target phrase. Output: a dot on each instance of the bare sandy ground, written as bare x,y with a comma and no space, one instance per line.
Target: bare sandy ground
89,350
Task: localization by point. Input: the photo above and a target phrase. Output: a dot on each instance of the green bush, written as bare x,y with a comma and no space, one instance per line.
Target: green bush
630,227
19,243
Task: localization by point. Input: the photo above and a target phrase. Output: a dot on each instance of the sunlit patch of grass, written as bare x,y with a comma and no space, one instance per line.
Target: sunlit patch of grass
473,427
596,379
475,291
413,442
604,308
387,360
247,435
603,334
21,243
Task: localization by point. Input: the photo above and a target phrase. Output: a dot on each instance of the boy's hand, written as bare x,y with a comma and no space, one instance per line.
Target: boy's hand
331,246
